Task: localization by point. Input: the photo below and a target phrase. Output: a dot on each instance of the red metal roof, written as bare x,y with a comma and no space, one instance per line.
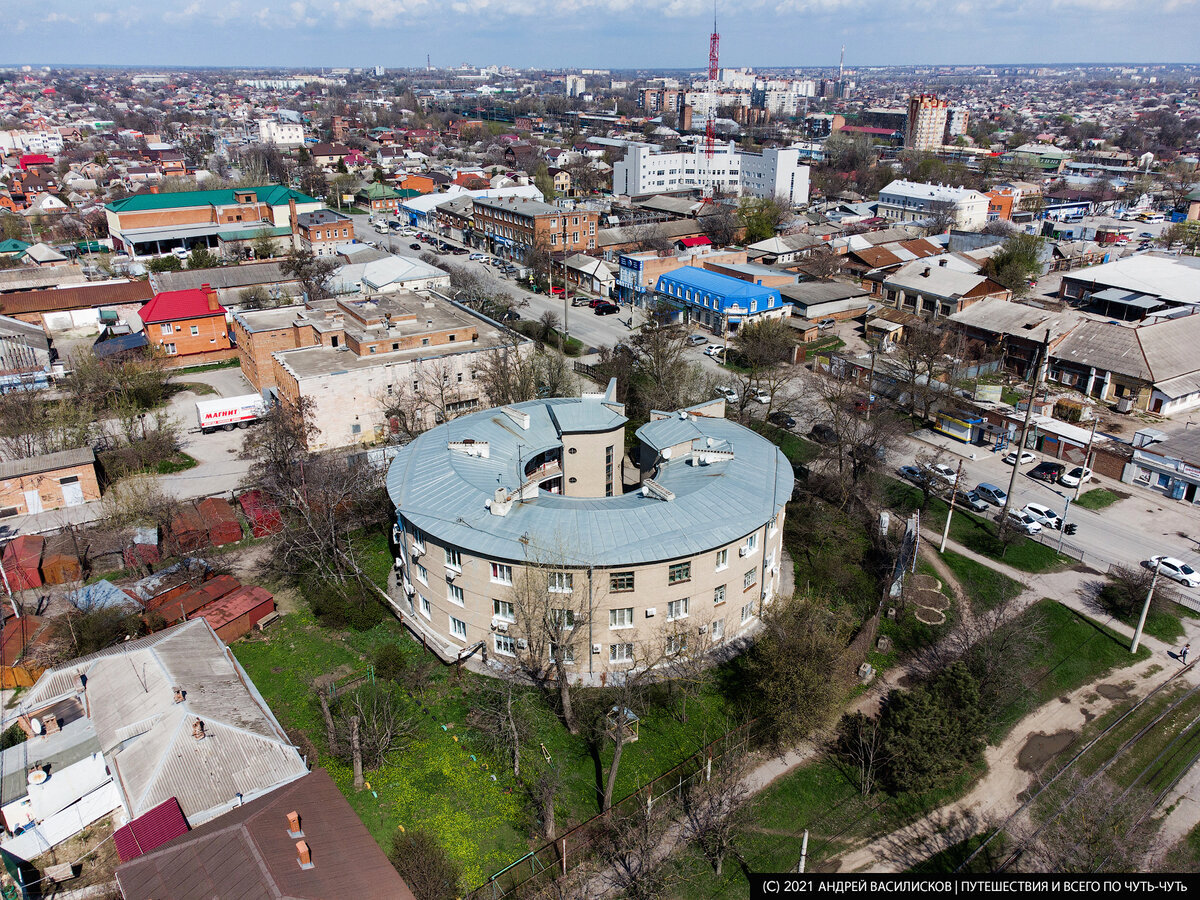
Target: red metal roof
243,600
697,241
171,306
150,830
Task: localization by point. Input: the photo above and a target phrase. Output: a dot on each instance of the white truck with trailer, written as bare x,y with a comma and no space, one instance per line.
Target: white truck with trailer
230,412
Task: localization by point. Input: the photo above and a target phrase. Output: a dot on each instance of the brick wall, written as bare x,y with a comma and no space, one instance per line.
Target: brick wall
211,335
49,487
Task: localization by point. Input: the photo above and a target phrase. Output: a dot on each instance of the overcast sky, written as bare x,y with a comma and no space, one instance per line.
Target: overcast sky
600,33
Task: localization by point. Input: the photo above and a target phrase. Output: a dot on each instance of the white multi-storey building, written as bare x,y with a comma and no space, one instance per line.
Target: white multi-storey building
773,173
908,201
281,134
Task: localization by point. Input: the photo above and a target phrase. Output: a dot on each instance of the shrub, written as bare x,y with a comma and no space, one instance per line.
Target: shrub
348,605
389,663
424,865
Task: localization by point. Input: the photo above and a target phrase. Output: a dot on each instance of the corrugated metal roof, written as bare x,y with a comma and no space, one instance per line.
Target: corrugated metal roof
63,459
1171,346
147,737
443,493
1111,347
150,831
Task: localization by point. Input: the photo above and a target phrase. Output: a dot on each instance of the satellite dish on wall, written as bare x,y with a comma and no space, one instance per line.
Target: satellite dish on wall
36,725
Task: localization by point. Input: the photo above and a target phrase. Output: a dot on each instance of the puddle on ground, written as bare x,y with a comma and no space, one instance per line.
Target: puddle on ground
1087,714
1040,748
1113,691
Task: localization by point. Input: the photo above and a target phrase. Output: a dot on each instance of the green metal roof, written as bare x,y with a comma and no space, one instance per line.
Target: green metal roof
377,191
271,194
12,245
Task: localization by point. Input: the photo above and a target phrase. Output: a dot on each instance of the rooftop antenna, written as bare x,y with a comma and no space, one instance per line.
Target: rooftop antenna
710,128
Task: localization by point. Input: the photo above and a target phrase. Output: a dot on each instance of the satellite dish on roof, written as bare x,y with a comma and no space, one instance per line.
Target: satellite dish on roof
666,454
36,725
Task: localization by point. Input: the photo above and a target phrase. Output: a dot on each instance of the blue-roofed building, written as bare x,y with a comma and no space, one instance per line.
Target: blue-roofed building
719,302
516,517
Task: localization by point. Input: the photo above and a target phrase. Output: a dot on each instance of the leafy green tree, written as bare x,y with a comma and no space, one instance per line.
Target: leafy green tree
932,732
544,182
341,167
263,245
202,258
760,216
165,264
1016,262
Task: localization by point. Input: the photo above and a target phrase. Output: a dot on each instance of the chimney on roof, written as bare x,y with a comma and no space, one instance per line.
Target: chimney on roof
925,274
303,855
198,730
293,820
942,263
178,694
212,297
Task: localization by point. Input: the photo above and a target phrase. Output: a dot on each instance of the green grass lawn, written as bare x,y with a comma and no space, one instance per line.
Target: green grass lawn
180,462
798,450
231,363
474,806
1076,651
985,587
1097,498
974,532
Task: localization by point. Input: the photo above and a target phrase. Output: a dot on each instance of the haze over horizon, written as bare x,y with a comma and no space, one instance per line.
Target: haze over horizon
618,34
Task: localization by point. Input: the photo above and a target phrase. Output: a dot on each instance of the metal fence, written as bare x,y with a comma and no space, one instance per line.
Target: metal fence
1167,590
573,847
1051,538
592,372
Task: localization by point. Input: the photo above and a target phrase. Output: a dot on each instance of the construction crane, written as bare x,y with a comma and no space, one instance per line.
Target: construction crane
710,128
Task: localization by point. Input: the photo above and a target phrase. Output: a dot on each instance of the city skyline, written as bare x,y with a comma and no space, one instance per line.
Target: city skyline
605,34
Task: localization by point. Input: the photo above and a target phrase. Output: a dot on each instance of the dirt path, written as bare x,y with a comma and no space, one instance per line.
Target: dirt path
1012,767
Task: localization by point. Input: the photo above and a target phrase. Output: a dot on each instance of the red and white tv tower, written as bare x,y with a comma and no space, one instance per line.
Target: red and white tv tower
710,128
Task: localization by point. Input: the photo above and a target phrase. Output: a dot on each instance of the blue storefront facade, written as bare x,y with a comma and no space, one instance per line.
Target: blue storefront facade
718,302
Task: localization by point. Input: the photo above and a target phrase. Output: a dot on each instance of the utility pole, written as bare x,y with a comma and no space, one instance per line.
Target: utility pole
871,382
803,853
950,511
1137,635
1037,381
1062,531
1087,456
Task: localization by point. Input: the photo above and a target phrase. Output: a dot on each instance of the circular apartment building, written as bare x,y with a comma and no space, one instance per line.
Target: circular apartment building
520,529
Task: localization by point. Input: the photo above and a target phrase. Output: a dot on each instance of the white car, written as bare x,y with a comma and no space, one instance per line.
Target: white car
180,253
1025,458
1174,568
477,256
944,473
1022,521
728,393
716,351
760,396
696,339
1044,515
1076,476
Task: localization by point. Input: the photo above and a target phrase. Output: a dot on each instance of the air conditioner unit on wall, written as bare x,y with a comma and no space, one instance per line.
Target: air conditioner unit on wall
742,551
450,574
522,644
595,648
399,562
502,627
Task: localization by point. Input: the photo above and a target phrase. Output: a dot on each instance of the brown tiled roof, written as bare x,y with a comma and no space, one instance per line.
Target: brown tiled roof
875,257
248,852
82,297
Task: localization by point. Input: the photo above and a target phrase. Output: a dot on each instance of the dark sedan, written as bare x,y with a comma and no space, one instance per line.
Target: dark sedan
607,309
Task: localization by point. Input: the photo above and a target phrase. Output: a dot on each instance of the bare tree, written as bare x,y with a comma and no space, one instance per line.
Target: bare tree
553,608
375,717
500,715
822,262
433,395
942,217
923,362
715,806
632,848
861,747
519,371
615,720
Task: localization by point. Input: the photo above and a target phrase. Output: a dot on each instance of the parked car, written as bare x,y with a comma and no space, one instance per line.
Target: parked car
911,473
1025,457
1077,476
580,301
1022,521
823,434
944,473
782,419
760,396
992,494
414,246
730,395
458,251
607,309
477,256
973,501
1046,471
825,324
716,351
1175,569
697,339
1044,515
557,290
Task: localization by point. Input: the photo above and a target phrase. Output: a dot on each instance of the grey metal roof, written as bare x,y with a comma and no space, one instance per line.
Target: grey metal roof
146,736
243,275
1105,346
1170,346
443,491
63,459
573,418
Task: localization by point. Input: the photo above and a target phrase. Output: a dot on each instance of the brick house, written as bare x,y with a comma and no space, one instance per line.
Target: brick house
189,324
378,198
324,231
53,481
517,224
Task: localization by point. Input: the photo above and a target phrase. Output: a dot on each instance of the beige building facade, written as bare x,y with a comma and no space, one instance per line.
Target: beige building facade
492,543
